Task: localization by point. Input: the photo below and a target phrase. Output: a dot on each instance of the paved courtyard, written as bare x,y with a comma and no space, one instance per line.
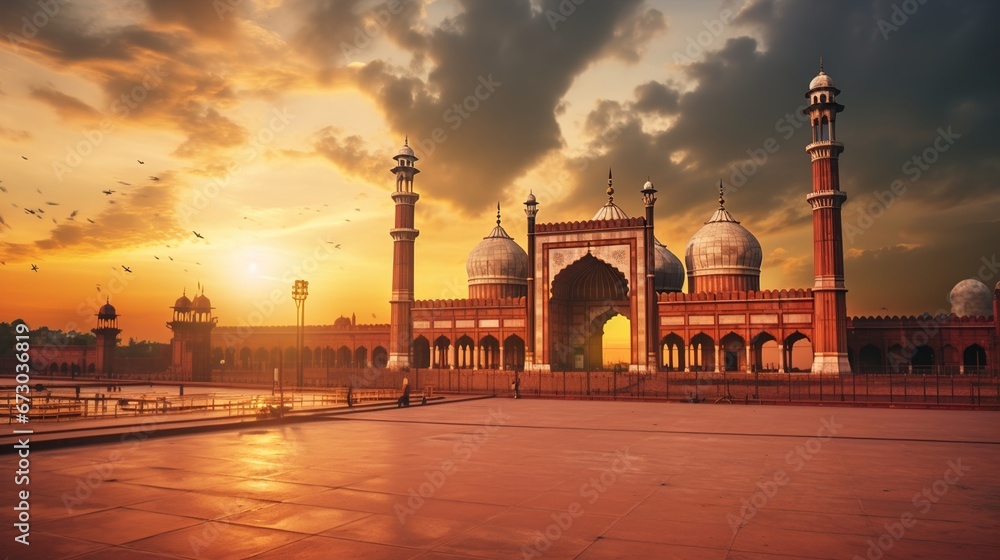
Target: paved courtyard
503,478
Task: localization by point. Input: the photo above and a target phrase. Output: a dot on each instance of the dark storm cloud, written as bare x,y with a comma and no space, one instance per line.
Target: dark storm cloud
657,98
498,72
915,86
898,93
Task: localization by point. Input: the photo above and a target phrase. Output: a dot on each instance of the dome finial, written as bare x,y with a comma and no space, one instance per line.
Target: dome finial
722,200
406,138
498,213
821,64
611,190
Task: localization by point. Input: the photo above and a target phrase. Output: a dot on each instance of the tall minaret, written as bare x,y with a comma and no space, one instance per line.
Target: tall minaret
403,236
826,198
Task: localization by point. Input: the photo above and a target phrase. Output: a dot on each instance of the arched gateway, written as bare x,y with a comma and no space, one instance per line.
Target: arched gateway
585,273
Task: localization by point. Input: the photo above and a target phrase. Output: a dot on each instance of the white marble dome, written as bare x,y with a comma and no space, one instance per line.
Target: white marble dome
497,259
971,298
723,246
668,270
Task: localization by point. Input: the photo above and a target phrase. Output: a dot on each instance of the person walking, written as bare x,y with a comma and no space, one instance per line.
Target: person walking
404,400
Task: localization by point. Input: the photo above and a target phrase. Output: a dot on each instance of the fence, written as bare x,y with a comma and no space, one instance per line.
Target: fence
942,387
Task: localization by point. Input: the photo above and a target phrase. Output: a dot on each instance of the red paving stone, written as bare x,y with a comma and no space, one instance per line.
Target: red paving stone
500,478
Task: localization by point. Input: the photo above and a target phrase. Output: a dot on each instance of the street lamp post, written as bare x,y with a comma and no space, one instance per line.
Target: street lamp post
299,292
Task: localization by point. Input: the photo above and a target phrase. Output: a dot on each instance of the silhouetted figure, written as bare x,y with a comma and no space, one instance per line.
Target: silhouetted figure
404,400
349,395
516,387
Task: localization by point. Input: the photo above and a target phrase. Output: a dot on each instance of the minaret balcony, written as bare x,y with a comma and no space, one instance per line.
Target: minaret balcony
824,149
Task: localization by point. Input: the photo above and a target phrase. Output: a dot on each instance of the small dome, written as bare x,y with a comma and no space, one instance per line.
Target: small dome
107,311
610,211
821,80
342,323
201,303
971,298
406,150
497,259
182,303
531,197
668,270
647,185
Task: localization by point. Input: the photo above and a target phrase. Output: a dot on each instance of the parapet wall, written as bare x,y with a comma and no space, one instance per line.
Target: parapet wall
590,225
470,303
735,296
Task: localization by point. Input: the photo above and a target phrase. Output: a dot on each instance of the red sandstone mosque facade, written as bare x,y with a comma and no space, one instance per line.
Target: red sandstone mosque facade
544,309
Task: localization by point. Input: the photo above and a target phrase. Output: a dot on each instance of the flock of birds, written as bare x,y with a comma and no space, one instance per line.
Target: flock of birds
39,212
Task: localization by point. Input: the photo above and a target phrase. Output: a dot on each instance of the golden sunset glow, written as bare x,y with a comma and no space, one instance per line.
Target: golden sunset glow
235,146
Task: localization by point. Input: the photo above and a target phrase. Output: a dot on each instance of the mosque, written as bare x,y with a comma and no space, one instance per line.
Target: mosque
544,308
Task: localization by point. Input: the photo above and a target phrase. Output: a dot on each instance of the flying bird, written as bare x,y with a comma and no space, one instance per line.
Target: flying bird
155,257
3,222
108,192
73,215
91,221
127,269
154,178
198,235
34,267
23,157
52,203
3,188
29,211
124,183
169,257
141,162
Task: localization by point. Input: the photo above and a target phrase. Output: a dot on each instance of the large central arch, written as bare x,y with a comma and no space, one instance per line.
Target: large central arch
583,297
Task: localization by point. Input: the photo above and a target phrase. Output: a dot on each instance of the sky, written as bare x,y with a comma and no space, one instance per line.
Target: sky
268,127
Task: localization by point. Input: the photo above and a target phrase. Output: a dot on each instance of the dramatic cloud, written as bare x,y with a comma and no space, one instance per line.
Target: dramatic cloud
142,216
66,106
498,72
349,153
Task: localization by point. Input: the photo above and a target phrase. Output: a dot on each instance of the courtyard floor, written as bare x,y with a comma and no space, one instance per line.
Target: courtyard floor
504,478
